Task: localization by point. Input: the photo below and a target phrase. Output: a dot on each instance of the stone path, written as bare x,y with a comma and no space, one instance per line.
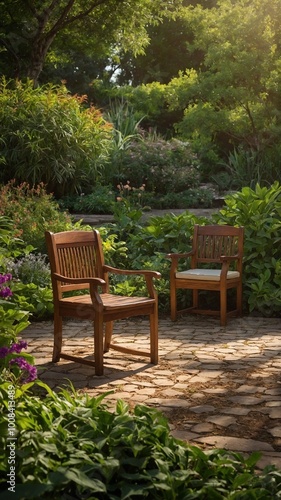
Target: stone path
219,387
96,219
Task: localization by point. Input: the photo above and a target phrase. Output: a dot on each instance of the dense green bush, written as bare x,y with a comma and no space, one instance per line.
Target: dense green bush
259,211
33,211
72,446
105,199
100,201
163,166
49,136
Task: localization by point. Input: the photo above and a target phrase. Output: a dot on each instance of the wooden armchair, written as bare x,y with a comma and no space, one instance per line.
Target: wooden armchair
220,248
77,264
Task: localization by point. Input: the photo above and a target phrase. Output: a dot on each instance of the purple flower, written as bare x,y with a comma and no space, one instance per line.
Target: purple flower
18,347
5,292
21,362
5,277
4,351
14,348
30,372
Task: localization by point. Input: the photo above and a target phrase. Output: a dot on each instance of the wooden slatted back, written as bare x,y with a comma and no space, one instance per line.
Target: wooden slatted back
213,241
74,254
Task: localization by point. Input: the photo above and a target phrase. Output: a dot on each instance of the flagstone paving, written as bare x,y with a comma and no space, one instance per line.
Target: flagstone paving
219,387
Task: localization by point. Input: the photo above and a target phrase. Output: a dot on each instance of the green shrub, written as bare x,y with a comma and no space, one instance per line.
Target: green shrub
33,211
49,136
31,268
100,201
72,446
163,166
191,198
36,299
259,211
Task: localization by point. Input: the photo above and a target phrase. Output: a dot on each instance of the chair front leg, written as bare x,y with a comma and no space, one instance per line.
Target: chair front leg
223,306
195,295
239,299
57,337
98,343
153,319
173,300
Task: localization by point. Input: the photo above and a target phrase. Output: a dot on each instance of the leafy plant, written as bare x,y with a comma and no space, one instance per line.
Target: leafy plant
99,201
34,298
259,211
31,268
71,445
33,211
13,318
163,166
49,136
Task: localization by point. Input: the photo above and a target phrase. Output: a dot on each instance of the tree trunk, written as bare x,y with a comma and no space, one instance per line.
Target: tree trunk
38,55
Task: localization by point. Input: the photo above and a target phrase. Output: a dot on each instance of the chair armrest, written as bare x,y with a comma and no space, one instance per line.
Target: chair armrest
177,256
232,258
148,274
77,281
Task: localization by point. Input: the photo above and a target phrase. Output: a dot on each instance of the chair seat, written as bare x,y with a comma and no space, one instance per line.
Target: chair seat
205,274
110,301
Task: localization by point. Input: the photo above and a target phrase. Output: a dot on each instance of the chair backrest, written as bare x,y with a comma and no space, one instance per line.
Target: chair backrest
212,241
75,254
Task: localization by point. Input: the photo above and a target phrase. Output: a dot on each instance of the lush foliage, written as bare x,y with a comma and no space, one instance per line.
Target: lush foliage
33,211
163,166
259,211
226,100
15,366
49,136
30,211
100,201
63,32
71,445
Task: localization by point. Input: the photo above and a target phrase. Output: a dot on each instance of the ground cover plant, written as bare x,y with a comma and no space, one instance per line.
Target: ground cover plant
72,446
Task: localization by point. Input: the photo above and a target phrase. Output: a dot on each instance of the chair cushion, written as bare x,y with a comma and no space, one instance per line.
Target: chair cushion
205,274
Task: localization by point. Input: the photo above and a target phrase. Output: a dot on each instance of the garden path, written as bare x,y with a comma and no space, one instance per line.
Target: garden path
96,219
218,386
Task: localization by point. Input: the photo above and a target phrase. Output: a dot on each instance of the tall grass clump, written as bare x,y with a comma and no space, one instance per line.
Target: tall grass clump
49,136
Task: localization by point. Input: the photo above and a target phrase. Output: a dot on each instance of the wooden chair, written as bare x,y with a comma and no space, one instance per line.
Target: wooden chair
77,265
220,248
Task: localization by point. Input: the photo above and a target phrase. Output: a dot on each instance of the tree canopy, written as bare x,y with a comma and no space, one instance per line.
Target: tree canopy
34,30
234,95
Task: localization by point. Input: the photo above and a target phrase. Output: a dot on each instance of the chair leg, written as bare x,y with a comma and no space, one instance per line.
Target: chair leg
108,335
98,343
223,305
57,337
195,294
173,302
153,318
239,299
